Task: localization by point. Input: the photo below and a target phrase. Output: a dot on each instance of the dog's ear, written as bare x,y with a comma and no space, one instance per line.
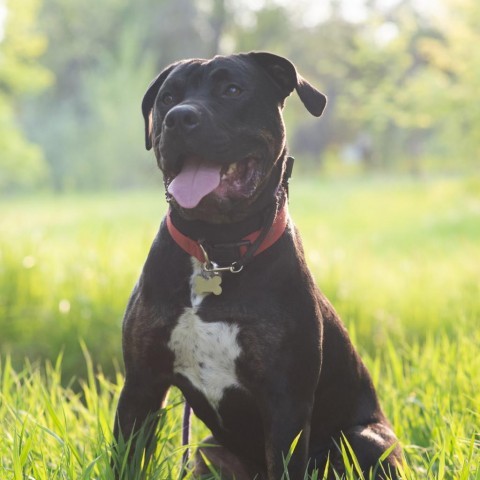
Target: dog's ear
149,100
285,75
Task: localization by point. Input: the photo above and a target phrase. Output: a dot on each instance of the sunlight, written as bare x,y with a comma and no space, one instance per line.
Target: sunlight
3,18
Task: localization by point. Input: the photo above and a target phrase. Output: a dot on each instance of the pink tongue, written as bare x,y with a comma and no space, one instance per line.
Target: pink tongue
195,181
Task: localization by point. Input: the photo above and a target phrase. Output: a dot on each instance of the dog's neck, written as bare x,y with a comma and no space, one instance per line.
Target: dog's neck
227,243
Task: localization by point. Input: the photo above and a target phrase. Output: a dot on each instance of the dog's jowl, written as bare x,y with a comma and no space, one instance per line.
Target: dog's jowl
226,308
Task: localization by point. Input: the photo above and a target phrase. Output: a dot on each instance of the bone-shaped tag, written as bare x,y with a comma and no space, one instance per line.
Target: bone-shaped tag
202,285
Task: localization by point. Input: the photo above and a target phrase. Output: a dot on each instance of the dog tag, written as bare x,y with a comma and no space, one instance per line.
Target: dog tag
203,284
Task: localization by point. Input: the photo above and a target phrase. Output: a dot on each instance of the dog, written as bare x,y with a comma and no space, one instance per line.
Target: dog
226,308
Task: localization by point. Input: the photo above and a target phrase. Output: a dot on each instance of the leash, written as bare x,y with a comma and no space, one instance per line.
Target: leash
187,411
250,248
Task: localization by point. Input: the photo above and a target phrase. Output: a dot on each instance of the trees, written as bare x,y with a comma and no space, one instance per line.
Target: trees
22,163
457,57
401,81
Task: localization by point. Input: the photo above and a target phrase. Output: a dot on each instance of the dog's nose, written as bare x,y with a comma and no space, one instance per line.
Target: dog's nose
184,117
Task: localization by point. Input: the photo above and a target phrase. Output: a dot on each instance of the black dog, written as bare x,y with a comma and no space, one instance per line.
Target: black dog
226,308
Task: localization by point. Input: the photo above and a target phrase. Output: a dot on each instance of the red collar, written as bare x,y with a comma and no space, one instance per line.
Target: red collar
192,247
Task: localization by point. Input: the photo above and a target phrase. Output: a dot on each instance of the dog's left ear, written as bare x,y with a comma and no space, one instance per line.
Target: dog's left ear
285,75
149,100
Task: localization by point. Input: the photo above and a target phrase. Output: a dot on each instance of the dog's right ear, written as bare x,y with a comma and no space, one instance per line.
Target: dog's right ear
286,77
149,100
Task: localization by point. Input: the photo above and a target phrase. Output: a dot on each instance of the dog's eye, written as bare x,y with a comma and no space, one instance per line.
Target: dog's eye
232,90
167,99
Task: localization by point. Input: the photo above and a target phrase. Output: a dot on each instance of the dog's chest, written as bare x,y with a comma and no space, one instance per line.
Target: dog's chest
205,352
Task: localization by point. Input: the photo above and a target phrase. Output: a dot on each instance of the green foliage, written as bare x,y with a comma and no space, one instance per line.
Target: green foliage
22,163
397,259
52,432
401,81
88,139
67,266
460,63
21,46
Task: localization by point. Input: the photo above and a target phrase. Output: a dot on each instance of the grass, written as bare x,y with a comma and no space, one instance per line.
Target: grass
400,260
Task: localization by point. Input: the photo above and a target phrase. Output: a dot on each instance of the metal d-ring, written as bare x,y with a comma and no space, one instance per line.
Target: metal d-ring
235,268
207,265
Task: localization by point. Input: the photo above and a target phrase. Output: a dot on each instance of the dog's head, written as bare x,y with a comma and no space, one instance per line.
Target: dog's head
217,130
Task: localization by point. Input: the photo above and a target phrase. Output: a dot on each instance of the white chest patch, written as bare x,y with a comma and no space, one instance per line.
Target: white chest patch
205,353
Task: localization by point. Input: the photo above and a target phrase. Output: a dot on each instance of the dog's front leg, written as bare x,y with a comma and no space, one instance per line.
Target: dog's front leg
136,421
148,368
287,421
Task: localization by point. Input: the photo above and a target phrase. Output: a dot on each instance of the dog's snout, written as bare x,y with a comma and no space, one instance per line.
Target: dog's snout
182,117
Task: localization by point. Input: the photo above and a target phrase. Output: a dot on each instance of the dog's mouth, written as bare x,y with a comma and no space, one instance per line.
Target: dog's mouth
200,178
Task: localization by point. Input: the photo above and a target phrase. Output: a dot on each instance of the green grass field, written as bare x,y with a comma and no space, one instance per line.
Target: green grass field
399,259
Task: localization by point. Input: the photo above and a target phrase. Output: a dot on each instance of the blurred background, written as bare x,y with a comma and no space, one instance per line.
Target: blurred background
402,78
385,191
386,184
